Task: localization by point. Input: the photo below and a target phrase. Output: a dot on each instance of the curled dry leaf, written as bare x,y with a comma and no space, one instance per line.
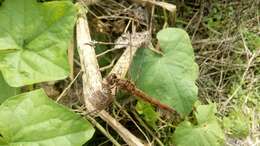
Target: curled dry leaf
135,40
167,6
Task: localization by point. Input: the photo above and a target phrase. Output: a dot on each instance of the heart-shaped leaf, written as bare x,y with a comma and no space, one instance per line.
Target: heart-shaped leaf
33,40
206,133
169,78
33,119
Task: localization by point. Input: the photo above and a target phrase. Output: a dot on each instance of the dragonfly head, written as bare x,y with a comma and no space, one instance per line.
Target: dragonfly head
112,79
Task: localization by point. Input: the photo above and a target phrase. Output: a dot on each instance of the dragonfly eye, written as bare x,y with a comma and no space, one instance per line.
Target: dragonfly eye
114,76
111,79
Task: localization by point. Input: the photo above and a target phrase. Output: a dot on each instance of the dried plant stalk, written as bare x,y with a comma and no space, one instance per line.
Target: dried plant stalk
92,82
134,42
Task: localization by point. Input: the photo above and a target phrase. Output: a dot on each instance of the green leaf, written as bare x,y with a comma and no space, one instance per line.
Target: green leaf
205,113
237,124
252,40
33,40
169,78
148,113
32,119
6,90
206,133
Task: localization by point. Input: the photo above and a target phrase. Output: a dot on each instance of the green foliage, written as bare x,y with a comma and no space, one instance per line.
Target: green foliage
215,18
207,131
148,113
6,90
237,124
32,119
33,40
219,16
253,40
169,78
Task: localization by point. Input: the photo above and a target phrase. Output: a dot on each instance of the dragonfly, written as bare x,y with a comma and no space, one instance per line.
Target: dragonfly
130,87
106,98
